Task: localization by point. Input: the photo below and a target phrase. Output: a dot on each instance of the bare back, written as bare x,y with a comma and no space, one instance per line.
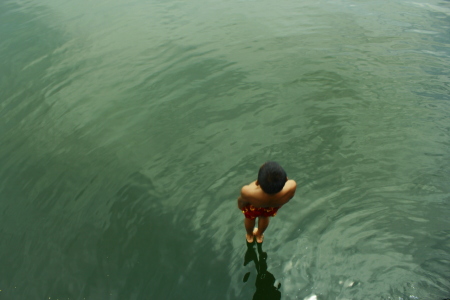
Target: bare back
254,195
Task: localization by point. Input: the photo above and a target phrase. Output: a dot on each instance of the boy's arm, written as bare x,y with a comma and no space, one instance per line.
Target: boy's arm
292,187
242,202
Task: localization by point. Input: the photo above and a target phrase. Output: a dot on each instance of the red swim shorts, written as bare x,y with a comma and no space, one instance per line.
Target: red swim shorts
251,212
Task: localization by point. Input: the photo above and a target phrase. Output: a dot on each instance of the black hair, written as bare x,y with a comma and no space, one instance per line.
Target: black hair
271,177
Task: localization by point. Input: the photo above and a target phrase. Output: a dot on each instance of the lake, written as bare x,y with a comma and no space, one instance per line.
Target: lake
127,129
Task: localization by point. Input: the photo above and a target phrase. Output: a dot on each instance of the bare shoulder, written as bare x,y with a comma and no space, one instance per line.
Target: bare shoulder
250,192
246,191
291,185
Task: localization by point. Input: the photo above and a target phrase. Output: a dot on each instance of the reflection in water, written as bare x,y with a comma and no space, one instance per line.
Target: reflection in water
266,288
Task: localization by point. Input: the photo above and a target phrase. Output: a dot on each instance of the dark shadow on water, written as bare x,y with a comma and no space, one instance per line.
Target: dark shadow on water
265,281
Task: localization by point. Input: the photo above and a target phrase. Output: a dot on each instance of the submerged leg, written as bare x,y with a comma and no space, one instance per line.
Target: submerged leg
263,223
249,225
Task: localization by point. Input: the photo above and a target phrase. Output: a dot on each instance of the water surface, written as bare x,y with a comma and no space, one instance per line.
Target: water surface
128,127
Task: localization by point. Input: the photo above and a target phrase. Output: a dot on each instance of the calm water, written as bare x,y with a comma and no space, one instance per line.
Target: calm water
128,127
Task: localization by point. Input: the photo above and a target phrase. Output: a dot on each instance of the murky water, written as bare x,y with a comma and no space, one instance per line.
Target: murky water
128,127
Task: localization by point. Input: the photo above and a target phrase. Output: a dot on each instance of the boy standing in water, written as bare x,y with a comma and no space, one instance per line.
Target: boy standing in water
262,198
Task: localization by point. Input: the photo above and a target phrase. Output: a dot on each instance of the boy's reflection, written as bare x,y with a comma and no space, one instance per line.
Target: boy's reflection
265,281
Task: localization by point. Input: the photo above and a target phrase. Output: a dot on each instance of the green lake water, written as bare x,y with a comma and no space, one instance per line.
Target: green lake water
127,129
